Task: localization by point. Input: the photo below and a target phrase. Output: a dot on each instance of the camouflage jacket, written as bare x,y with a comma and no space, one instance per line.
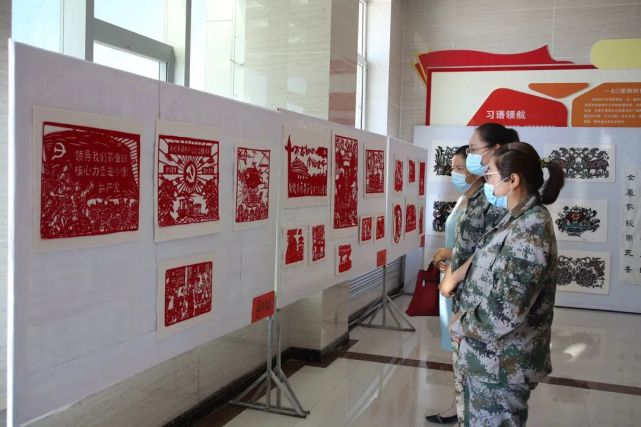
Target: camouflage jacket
507,302
479,217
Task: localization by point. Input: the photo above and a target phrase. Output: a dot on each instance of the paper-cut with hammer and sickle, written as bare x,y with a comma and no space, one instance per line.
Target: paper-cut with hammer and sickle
59,150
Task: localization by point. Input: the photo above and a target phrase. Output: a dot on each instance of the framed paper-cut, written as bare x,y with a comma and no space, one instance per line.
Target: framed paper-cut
305,177
345,201
374,173
366,229
421,217
594,163
380,226
398,175
410,216
397,222
586,272
317,243
185,293
252,171
438,209
343,258
87,179
440,159
187,180
580,220
411,171
294,252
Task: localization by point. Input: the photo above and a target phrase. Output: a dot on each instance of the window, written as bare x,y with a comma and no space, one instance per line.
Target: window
134,41
361,65
126,61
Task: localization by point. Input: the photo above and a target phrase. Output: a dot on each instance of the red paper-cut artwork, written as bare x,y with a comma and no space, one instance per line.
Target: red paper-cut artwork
380,227
89,183
343,258
252,184
366,228
306,169
410,217
421,220
411,175
374,172
188,292
345,182
421,179
188,179
398,176
397,222
318,243
294,246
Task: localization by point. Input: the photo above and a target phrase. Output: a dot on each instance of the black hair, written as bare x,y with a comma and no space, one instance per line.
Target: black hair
461,150
522,159
496,134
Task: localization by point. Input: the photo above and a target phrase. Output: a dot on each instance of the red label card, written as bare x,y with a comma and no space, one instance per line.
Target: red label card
263,306
381,258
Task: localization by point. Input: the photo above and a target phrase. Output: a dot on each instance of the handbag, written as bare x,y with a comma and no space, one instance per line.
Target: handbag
425,298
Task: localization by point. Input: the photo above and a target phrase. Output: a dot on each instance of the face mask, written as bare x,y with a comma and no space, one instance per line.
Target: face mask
474,165
499,202
458,179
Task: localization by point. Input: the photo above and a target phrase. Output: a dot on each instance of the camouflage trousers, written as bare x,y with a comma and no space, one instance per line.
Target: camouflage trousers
459,385
496,405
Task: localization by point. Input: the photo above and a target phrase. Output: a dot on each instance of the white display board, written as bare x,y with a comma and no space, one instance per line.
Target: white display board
625,142
305,278
408,241
84,319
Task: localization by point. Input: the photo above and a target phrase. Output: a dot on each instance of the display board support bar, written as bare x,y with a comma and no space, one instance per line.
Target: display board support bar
272,379
386,305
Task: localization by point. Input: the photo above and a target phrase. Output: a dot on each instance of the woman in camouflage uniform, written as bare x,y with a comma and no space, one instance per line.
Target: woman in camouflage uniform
478,217
505,311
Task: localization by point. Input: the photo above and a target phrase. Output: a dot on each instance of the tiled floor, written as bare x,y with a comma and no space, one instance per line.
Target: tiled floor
592,351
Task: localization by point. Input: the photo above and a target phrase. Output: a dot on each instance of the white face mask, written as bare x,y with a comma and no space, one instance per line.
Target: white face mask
474,165
498,201
458,180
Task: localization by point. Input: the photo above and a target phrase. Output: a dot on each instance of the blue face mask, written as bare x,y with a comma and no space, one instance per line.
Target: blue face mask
500,201
458,180
474,165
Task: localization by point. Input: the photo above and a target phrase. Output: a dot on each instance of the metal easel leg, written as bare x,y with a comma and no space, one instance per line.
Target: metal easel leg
272,378
387,305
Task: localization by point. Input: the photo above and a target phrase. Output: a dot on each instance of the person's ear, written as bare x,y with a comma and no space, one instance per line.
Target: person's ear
514,180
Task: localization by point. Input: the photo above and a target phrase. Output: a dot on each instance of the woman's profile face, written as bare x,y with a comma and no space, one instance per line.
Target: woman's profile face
458,164
478,146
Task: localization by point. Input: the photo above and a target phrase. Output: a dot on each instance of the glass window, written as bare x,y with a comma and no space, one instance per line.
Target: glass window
361,68
37,23
360,95
126,61
146,17
361,27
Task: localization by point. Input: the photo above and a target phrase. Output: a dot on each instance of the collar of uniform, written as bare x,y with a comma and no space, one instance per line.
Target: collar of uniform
525,205
529,202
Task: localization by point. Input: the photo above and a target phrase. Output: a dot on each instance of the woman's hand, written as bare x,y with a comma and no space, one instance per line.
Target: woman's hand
455,317
440,258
